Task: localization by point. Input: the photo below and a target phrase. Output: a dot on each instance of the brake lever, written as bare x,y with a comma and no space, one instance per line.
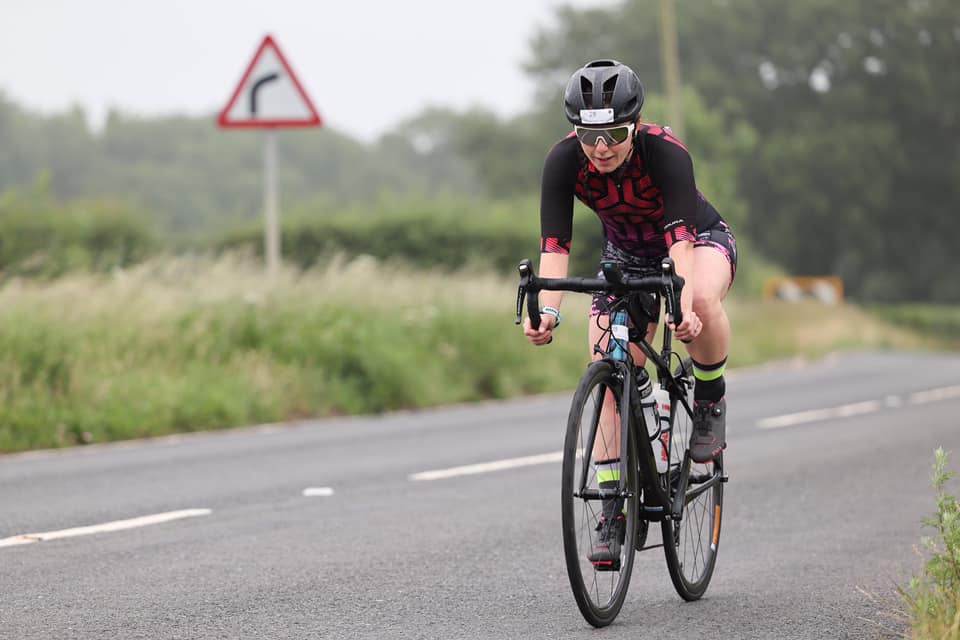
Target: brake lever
673,299
521,294
524,268
526,276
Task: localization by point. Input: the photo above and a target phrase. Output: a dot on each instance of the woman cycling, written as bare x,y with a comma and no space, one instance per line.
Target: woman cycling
638,178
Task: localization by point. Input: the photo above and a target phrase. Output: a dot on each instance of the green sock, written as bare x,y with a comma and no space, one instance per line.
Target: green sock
710,385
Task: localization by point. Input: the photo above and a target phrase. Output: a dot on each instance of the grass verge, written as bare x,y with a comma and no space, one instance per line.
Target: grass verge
186,344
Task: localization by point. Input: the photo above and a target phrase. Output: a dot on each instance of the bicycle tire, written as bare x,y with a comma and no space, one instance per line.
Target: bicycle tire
691,543
599,594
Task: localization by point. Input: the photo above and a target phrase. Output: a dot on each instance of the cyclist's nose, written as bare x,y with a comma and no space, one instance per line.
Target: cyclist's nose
601,141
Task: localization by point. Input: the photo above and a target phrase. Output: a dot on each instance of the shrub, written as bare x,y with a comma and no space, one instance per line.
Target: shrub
40,237
439,233
934,596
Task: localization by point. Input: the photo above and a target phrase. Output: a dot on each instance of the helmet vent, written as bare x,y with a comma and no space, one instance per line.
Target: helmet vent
586,89
608,86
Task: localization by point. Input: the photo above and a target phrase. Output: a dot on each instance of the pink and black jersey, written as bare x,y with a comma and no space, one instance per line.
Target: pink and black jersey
645,206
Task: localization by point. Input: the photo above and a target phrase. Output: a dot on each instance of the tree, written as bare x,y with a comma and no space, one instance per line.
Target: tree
855,105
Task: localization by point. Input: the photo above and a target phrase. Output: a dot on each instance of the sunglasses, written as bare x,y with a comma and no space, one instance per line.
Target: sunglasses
614,135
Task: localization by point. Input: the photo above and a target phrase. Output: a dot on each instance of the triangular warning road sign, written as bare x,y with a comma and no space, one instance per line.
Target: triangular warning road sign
269,95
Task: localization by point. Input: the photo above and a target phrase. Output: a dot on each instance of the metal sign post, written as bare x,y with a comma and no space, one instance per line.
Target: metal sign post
269,96
271,236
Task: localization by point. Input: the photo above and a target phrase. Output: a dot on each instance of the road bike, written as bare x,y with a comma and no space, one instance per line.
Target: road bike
608,414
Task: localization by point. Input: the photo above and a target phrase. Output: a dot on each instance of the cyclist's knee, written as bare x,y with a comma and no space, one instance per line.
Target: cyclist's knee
707,303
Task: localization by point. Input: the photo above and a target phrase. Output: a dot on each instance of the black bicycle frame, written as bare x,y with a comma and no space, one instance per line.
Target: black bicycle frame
671,285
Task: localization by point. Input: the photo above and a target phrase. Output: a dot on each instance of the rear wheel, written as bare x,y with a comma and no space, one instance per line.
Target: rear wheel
599,591
691,543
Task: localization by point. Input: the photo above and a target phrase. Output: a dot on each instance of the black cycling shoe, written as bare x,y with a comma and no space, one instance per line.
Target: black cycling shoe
709,430
611,533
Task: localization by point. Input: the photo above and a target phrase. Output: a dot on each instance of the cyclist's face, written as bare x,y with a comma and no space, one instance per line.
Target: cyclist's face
608,158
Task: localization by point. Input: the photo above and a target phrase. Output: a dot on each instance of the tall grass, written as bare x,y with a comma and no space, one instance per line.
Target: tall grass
182,344
933,597
933,319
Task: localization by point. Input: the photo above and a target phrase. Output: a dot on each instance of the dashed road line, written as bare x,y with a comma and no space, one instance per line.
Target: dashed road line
488,467
318,492
817,415
859,408
775,422
935,395
117,525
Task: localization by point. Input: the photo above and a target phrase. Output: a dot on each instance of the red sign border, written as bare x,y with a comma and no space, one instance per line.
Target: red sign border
313,121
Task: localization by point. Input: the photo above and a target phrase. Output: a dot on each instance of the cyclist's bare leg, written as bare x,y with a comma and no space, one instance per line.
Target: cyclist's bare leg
607,444
711,281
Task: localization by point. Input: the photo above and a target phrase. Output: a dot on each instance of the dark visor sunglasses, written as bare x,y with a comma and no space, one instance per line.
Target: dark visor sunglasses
610,136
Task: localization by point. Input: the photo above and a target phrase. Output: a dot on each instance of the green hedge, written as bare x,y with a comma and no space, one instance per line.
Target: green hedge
40,237
446,233
450,233
931,319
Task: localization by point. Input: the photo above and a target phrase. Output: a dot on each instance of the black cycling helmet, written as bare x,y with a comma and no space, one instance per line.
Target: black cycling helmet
599,86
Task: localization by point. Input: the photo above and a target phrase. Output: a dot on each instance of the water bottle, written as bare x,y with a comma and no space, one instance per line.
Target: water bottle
651,415
661,447
619,336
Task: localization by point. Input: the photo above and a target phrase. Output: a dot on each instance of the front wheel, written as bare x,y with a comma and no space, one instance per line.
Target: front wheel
591,455
691,543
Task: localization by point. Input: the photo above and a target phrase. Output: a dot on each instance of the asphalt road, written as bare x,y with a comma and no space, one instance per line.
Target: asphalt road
319,530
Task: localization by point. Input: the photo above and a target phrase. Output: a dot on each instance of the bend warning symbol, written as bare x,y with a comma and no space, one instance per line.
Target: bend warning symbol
269,95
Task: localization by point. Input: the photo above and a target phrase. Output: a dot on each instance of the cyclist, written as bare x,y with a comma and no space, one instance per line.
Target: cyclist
638,178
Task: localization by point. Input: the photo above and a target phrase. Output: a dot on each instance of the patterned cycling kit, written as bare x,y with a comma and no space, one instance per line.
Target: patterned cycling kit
645,206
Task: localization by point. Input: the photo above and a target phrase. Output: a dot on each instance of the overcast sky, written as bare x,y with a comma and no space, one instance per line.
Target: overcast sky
365,64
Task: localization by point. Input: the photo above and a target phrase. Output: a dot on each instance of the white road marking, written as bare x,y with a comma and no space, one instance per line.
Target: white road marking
488,467
933,395
117,525
815,415
775,422
859,408
318,492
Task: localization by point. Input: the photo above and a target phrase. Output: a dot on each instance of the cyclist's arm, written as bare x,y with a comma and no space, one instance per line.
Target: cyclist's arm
557,191
672,170
553,265
682,255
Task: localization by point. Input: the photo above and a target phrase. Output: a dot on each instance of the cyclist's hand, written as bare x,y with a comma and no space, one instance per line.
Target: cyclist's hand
689,329
543,335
